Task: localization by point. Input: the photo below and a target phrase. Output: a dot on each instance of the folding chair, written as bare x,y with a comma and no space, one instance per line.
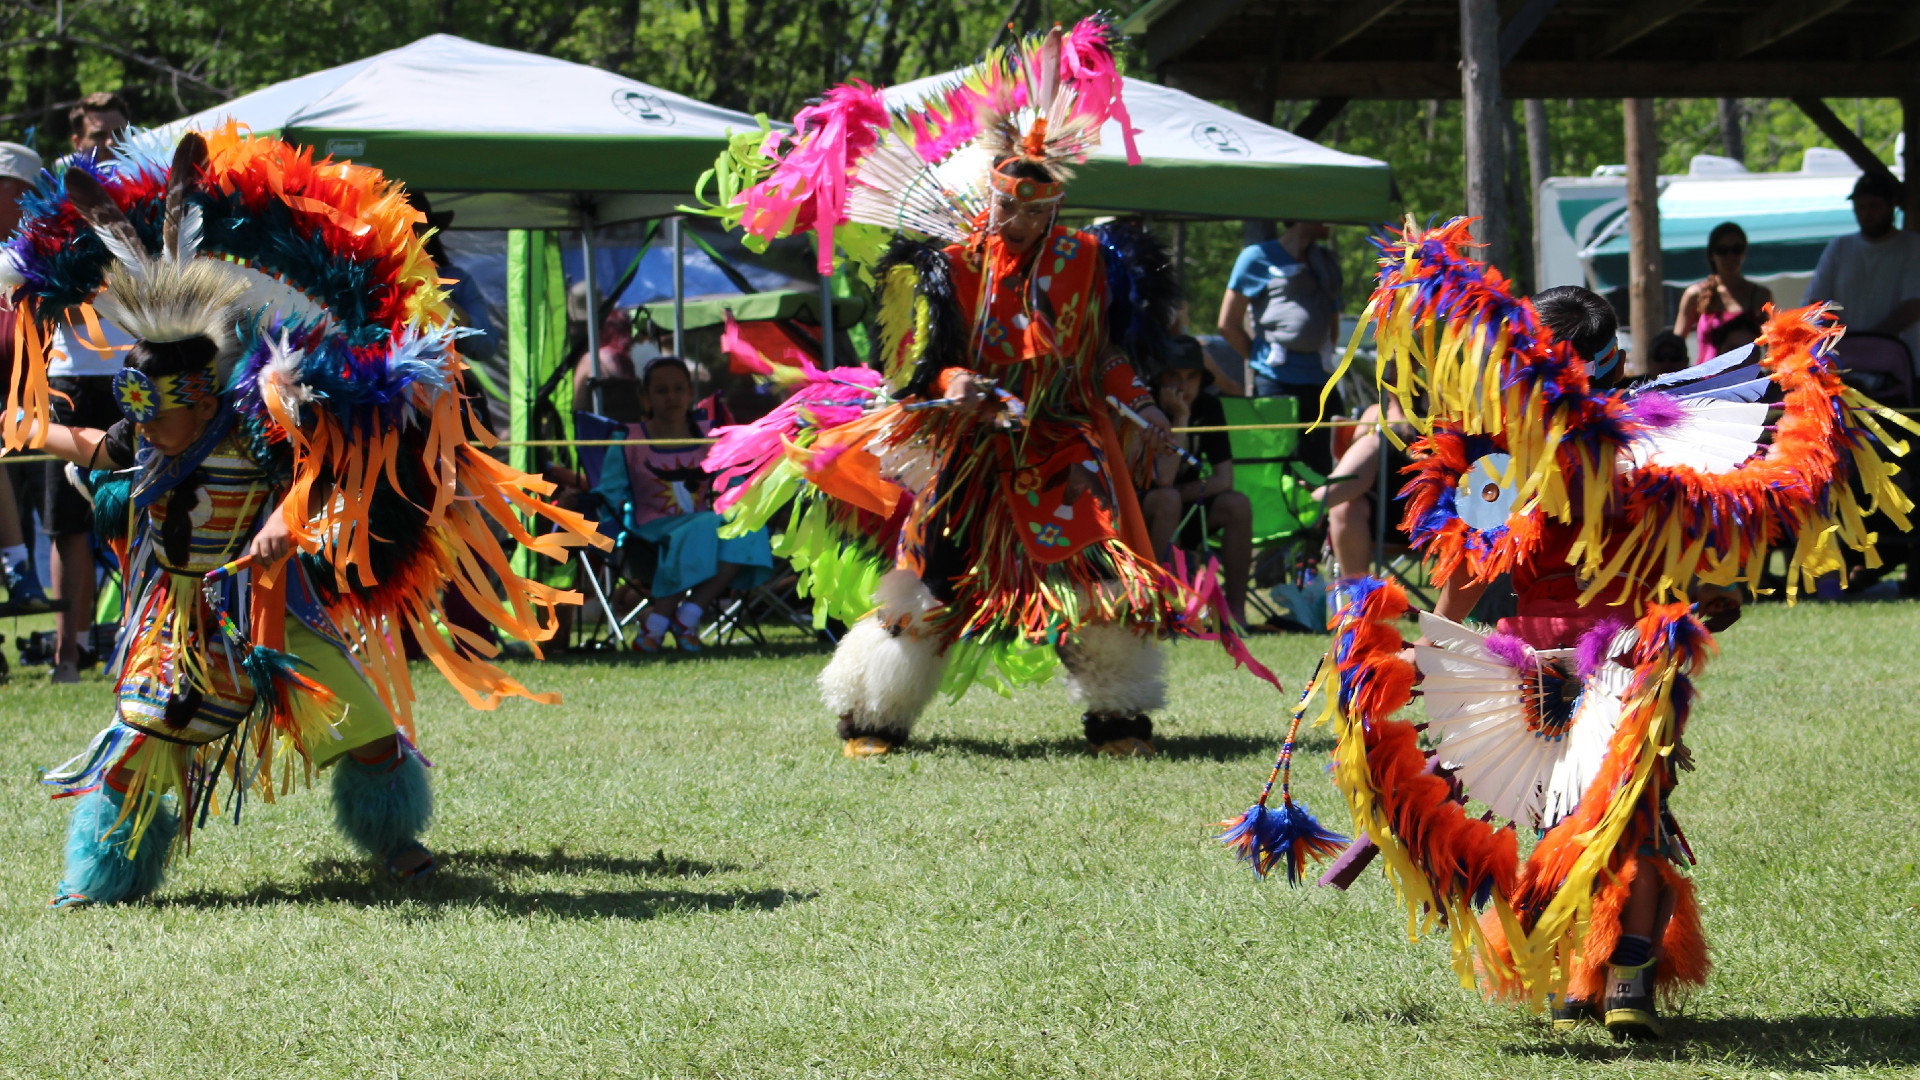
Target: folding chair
1267,469
590,427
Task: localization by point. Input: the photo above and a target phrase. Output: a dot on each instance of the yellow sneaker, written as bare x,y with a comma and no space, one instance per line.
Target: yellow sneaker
1130,746
866,746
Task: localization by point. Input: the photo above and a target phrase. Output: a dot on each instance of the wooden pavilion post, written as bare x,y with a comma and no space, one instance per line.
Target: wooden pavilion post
1647,301
1910,124
1485,123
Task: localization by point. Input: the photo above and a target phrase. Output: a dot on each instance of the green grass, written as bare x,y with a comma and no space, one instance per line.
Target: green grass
676,874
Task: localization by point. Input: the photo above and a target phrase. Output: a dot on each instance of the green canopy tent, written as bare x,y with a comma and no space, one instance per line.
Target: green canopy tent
1199,160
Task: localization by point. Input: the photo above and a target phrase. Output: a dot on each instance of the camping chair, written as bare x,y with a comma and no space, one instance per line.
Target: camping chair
1267,469
1879,365
589,427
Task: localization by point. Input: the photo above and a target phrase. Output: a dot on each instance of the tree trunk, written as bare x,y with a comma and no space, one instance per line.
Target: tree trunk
1647,303
1732,141
1480,87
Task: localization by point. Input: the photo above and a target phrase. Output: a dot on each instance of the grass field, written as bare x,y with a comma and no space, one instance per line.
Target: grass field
676,874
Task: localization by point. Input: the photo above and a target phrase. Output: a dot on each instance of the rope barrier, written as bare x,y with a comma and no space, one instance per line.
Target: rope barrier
1294,425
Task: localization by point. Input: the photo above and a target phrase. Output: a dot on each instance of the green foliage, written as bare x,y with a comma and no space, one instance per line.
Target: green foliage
1424,142
676,874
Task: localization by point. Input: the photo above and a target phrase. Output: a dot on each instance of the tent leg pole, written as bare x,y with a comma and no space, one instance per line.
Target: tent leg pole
679,286
593,308
826,321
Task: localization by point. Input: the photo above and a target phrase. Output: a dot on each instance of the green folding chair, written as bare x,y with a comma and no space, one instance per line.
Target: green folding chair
1267,471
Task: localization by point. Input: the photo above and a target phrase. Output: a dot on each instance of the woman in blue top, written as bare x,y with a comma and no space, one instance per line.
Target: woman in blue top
1291,289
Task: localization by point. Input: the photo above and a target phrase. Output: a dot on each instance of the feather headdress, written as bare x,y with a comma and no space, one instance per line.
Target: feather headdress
925,166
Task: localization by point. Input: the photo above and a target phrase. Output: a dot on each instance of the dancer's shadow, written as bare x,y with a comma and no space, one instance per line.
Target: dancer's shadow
496,880
784,648
1225,747
1794,1043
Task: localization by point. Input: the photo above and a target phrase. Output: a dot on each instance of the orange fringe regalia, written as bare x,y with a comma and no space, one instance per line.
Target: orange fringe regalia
1608,507
343,410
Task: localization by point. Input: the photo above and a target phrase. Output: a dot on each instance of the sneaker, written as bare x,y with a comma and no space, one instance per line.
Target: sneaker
866,746
687,640
1128,747
64,675
648,643
1630,1010
1568,1015
24,594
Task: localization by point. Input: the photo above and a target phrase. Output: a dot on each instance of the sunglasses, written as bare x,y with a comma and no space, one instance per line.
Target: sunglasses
1741,250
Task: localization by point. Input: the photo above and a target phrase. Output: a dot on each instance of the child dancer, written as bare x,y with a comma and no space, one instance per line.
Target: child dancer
291,391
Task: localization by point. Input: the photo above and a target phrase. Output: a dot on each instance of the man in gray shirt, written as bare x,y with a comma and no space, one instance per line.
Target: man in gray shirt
1874,274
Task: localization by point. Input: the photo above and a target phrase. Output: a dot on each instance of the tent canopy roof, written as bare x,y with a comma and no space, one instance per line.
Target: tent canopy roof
1199,160
504,139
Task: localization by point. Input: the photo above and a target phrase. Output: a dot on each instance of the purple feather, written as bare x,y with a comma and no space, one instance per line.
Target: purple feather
1657,411
1511,649
1597,644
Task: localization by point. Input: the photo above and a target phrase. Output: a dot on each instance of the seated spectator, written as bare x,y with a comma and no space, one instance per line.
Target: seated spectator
1178,486
674,535
19,166
1874,274
1668,354
1352,494
1725,309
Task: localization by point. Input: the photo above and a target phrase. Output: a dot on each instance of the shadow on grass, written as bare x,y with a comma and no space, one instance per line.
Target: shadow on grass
484,879
1798,1043
774,649
1220,747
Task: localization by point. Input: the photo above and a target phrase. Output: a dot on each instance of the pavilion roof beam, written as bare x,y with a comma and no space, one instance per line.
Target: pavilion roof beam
1898,34
1514,35
1780,20
1641,19
1390,80
1350,21
1843,137
1184,24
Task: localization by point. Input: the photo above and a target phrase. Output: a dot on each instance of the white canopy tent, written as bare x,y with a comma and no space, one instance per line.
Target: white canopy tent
1199,160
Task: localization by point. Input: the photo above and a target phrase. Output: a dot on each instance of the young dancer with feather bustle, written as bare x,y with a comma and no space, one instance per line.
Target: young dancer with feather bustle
1627,519
977,487
293,390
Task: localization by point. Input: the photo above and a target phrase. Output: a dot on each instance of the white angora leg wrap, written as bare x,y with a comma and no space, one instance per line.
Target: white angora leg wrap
1113,671
888,667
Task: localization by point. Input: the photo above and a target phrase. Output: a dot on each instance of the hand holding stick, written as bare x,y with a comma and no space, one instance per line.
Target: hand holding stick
1140,422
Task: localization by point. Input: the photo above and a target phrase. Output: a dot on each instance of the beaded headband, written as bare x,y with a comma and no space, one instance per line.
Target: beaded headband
142,397
1026,190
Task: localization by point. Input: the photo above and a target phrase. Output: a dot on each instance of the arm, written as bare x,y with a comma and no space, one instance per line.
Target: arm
1233,323
1905,314
1220,482
1689,314
82,446
1458,596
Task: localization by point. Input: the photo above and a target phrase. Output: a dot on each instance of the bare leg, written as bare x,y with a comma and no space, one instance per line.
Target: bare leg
1350,529
1233,512
1161,507
709,590
73,576
9,513
1641,916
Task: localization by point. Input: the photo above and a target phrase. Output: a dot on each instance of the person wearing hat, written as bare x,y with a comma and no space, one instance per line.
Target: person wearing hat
1874,274
1181,392
18,168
